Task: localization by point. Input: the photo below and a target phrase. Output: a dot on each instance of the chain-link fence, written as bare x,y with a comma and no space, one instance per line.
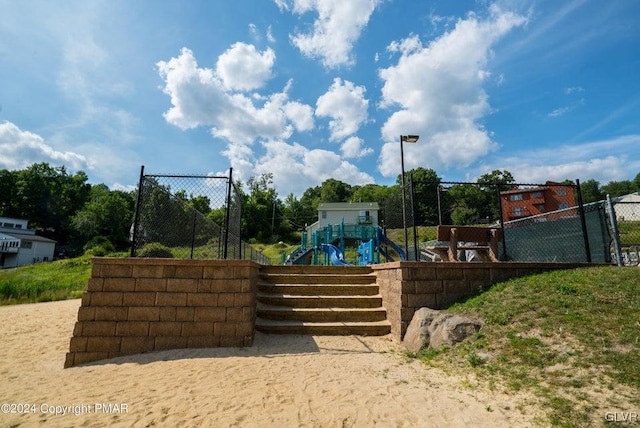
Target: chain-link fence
524,222
189,216
396,211
625,224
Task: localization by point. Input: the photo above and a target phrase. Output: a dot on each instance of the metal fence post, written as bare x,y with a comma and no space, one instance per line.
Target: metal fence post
614,232
504,235
134,234
193,233
583,222
413,220
226,225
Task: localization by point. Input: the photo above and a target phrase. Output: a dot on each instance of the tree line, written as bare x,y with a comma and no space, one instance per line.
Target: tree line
81,216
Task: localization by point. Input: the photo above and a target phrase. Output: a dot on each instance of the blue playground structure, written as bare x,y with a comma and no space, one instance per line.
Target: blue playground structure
335,255
331,242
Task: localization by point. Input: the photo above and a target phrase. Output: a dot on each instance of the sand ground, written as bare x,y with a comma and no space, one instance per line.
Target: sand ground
282,381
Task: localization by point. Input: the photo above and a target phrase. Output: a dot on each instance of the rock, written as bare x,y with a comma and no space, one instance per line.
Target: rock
418,334
434,329
448,329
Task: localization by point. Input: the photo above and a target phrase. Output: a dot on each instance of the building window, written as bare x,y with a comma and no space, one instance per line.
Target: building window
515,197
518,211
540,207
364,217
561,192
563,205
324,214
536,195
26,244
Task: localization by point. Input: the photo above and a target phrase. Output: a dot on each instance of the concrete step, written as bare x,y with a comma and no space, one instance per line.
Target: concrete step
318,301
270,312
279,278
309,270
321,300
320,289
373,328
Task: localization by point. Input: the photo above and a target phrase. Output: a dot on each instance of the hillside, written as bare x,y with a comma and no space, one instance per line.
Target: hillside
570,338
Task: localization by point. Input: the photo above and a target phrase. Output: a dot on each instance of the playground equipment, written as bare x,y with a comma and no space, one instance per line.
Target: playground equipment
332,240
337,259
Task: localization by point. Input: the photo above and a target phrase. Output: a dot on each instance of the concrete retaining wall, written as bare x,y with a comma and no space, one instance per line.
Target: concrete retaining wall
138,305
408,286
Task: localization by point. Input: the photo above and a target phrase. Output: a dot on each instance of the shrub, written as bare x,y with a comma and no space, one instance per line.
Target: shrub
155,250
99,246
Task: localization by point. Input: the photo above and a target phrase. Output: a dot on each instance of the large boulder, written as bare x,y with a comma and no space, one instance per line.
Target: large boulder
434,329
417,335
449,329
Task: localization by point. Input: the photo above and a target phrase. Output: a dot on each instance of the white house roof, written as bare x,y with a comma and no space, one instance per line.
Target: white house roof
27,237
348,206
631,197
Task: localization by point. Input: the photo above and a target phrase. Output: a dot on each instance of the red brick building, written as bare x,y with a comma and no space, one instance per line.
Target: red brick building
520,203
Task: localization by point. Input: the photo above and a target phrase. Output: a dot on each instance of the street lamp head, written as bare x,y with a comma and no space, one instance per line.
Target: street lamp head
409,138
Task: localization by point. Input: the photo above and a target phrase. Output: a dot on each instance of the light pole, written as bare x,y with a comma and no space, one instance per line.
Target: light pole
405,139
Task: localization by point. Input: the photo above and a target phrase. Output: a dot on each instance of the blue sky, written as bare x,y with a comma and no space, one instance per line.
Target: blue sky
316,89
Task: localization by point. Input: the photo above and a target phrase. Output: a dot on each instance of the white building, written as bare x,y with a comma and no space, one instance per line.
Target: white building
365,213
627,207
21,246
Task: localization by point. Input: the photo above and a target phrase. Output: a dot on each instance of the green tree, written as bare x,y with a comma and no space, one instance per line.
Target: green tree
502,177
8,193
309,204
371,193
332,190
491,185
49,197
201,203
164,217
296,214
618,188
468,203
425,188
108,214
262,217
591,192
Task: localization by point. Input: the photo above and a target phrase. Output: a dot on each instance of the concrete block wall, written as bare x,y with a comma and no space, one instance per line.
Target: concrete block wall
408,286
137,305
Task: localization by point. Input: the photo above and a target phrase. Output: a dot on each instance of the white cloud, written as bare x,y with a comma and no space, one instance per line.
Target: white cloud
604,161
296,168
347,107
353,148
283,5
560,111
335,31
301,115
270,37
21,149
573,89
604,170
243,68
199,98
439,90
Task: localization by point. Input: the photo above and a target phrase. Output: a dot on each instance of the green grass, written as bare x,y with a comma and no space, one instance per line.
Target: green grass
629,232
560,335
42,282
274,251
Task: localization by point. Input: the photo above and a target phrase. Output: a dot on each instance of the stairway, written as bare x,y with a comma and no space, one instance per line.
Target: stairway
320,300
